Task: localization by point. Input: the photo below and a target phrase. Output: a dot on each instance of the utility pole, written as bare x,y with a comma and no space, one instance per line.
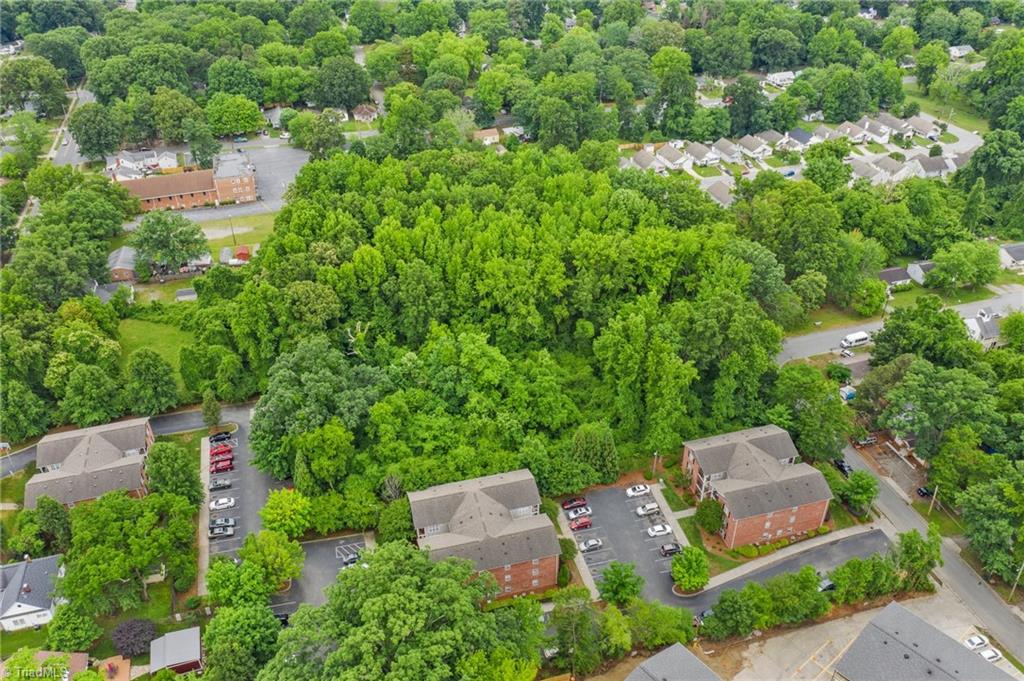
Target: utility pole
654,464
1015,581
934,497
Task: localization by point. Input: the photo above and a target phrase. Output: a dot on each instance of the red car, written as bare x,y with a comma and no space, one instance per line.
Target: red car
222,457
583,523
220,449
222,466
575,502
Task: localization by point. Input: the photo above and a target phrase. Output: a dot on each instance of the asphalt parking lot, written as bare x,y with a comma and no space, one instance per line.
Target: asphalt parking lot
624,537
277,163
324,558
249,487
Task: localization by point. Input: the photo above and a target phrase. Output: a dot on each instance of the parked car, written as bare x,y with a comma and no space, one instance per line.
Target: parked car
991,655
349,559
589,545
638,491
285,135
579,512
221,532
975,642
222,522
575,502
670,549
826,585
219,483
220,449
222,436
658,530
788,173
240,138
924,492
222,457
842,467
584,523
647,509
222,504
223,466
846,353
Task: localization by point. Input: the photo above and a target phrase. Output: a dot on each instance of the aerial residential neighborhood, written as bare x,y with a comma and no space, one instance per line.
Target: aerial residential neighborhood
495,340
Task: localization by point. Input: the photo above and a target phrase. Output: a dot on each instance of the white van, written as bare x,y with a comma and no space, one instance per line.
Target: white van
855,339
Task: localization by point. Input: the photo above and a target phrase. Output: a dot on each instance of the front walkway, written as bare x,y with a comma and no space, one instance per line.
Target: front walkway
204,516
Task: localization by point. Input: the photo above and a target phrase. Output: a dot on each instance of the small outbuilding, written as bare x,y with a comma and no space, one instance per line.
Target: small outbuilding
179,651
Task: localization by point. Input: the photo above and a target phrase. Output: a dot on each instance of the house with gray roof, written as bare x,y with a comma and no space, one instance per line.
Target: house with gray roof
180,651
643,159
26,592
670,157
121,264
797,139
766,492
873,130
924,127
897,644
754,147
496,523
933,166
983,330
770,137
721,193
702,155
727,151
675,663
895,276
1011,256
919,270
852,132
864,171
80,465
823,132
897,126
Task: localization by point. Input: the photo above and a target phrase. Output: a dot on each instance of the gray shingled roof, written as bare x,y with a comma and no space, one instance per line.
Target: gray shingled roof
888,164
893,275
697,150
890,121
898,644
756,481
479,520
725,147
862,169
799,135
751,143
39,574
1015,251
670,153
122,259
174,648
770,136
643,159
721,192
675,663
125,435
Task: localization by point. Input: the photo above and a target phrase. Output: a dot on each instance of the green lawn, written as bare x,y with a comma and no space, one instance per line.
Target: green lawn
189,441
26,638
707,171
165,339
157,608
840,515
1007,277
875,147
774,161
675,502
948,525
164,293
826,317
732,168
249,230
717,564
354,126
964,114
909,297
12,488
948,138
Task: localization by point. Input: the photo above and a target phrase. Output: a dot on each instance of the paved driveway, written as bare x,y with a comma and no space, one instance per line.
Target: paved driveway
625,540
323,563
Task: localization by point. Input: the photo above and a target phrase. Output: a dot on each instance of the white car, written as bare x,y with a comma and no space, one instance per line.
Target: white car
285,135
647,509
658,530
991,655
222,503
579,512
638,491
589,545
975,642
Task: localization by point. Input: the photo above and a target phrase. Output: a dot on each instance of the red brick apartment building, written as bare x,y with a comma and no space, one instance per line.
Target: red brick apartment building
231,181
765,491
495,522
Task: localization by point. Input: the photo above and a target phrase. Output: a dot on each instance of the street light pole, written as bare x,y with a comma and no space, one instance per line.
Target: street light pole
1015,581
654,464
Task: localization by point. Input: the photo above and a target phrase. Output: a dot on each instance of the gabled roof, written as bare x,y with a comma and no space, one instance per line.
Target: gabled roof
751,143
890,121
30,583
898,644
697,150
894,275
675,663
122,259
862,169
485,133
923,265
921,125
850,129
174,648
721,192
888,164
770,136
483,520
125,435
644,159
799,135
725,147
1015,251
160,186
669,153
932,164
825,133
756,479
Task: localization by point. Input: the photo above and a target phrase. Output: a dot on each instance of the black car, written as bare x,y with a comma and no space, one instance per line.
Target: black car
222,522
670,549
219,483
220,437
843,467
924,492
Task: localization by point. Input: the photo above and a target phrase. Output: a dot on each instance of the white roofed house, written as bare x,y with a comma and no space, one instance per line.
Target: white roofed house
702,155
1011,257
960,51
728,151
754,147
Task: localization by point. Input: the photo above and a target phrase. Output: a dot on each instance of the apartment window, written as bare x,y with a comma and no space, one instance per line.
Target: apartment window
535,583
535,561
508,578
767,524
436,529
508,566
792,519
535,572
18,622
508,589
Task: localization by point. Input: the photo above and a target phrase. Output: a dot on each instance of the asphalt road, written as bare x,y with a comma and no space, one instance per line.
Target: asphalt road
993,613
69,153
824,558
821,342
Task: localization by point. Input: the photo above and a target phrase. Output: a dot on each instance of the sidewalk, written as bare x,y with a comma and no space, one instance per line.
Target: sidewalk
581,564
677,531
204,516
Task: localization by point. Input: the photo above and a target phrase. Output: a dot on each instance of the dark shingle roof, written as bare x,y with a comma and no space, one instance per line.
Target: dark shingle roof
800,135
898,644
1015,251
893,275
38,574
675,663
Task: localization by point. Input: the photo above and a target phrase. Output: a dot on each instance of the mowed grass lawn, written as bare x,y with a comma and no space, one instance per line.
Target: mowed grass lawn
964,115
252,229
166,340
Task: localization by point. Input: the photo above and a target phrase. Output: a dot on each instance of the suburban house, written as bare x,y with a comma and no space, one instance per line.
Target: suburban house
1011,256
984,331
770,137
865,171
933,166
797,139
895,276
757,476
823,132
26,592
670,157
365,113
106,291
873,130
852,132
675,663
180,651
643,159
924,127
960,51
962,159
495,522
487,136
919,270
754,147
897,644
273,116
701,155
80,465
76,663
897,126
721,193
121,264
816,115
897,171
235,178
780,79
727,151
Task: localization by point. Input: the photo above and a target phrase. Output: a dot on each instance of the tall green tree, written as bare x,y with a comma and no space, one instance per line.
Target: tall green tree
168,238
149,383
95,129
915,558
809,406
576,631
620,584
594,444
690,569
170,470
201,142
341,83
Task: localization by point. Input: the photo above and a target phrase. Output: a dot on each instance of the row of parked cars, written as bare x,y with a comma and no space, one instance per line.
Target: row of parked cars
581,518
222,460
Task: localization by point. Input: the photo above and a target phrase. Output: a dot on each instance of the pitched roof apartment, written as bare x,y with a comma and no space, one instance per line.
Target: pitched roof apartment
725,147
670,154
897,644
697,151
492,521
675,663
760,476
751,143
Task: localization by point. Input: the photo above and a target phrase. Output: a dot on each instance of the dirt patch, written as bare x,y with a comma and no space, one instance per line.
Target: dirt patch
886,459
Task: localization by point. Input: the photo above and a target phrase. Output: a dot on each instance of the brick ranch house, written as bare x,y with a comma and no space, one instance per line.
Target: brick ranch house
495,522
756,474
232,180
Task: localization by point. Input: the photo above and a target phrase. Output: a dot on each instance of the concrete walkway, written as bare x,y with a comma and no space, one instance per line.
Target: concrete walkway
581,565
204,516
9,506
677,531
685,513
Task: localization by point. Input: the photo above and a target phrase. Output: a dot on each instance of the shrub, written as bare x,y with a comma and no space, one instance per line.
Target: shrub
709,516
764,550
690,569
748,551
824,529
549,507
132,637
811,532
563,575
568,549
193,602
